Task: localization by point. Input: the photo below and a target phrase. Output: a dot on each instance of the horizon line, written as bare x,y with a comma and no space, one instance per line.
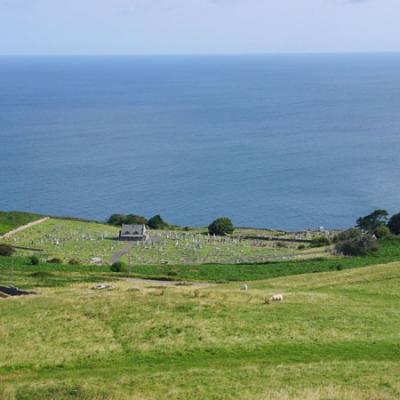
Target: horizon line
215,54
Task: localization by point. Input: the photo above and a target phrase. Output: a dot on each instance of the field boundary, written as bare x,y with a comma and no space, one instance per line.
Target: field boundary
23,227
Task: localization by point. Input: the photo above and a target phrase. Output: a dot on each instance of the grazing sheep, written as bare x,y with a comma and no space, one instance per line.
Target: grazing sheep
273,298
244,287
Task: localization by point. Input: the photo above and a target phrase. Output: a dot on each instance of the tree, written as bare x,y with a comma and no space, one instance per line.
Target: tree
382,232
355,242
394,224
372,221
132,219
157,222
116,219
221,226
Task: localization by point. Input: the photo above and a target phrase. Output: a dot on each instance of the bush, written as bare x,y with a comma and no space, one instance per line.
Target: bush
382,231
221,226
34,260
73,261
350,234
157,222
119,266
394,224
301,247
355,243
54,260
6,250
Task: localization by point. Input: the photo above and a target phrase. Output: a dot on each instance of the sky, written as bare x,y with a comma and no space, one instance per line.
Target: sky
64,27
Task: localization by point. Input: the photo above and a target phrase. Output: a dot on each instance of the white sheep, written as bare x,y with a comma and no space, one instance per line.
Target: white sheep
244,287
273,298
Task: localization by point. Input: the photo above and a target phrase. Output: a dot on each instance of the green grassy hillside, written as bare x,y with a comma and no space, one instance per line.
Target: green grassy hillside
17,270
10,220
335,336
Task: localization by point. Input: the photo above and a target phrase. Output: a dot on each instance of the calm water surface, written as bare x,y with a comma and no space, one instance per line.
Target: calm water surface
270,141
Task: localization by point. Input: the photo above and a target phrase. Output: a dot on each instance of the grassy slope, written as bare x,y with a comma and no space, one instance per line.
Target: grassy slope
389,251
10,220
336,336
82,240
17,270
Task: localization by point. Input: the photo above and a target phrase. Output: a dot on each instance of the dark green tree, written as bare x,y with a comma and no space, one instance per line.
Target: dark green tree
132,219
221,226
394,224
157,222
372,221
116,219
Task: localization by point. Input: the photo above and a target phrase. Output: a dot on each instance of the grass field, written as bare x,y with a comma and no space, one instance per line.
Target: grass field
10,220
336,336
71,239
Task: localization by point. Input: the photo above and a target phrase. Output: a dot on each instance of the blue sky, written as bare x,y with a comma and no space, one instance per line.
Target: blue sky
197,26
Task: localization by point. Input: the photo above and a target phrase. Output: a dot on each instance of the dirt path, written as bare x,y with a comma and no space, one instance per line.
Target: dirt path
168,283
23,227
118,254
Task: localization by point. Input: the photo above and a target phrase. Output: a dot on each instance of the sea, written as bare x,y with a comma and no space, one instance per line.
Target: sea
289,142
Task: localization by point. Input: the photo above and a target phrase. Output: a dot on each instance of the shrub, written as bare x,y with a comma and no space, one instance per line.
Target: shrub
55,260
301,247
350,234
73,261
394,224
382,232
355,243
119,266
221,226
6,250
157,222
34,260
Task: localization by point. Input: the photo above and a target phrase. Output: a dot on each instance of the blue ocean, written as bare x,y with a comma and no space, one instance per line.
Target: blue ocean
281,141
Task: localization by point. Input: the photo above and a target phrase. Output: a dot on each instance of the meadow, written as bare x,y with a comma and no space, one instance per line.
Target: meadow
69,239
335,336
10,220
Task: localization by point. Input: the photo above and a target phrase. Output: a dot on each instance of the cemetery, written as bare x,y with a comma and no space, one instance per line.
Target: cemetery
96,243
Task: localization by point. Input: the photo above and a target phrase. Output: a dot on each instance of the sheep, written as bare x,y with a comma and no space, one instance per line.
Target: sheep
244,287
273,298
